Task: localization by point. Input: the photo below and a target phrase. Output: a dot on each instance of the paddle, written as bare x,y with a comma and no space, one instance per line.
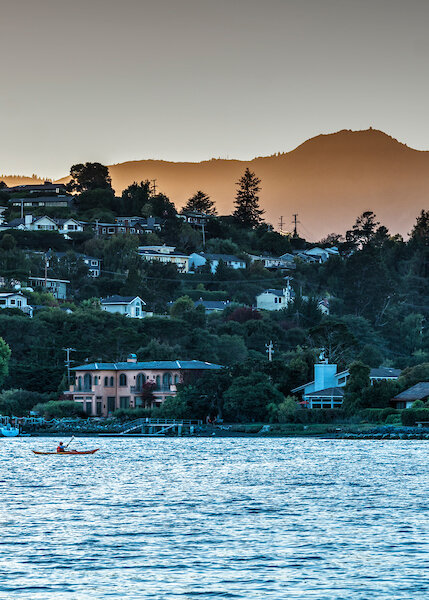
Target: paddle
66,446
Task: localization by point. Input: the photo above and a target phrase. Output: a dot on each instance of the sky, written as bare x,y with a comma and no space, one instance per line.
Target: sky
188,80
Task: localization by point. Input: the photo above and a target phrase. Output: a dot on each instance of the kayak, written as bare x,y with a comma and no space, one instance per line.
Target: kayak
68,452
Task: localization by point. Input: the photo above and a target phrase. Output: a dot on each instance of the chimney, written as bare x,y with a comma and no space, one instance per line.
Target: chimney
28,219
132,358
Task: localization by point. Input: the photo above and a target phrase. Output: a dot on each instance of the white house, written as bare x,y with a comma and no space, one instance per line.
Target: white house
57,287
273,299
15,300
327,388
200,259
319,255
130,306
273,262
165,254
30,223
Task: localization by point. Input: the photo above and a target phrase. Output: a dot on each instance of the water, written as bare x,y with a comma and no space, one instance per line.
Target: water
215,518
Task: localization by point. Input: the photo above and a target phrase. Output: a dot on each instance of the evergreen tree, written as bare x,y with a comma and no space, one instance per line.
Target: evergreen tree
201,203
247,212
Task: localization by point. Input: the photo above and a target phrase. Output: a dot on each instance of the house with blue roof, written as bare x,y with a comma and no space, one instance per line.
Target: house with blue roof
102,388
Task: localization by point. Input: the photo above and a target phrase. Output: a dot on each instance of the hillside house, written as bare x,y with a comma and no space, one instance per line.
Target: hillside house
102,388
165,254
56,287
47,187
130,306
93,263
199,259
212,306
45,223
405,399
60,201
273,299
275,263
327,388
15,300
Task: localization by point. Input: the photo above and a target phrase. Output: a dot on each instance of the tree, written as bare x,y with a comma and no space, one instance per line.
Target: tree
363,231
285,411
248,398
181,307
5,353
247,212
8,242
89,176
200,202
135,197
357,382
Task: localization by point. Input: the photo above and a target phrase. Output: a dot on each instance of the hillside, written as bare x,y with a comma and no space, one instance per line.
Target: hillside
328,181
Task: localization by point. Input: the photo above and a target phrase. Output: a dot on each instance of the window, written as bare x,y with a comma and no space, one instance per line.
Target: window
124,401
106,381
19,302
111,382
88,408
99,409
158,382
137,311
166,381
110,404
122,379
94,263
110,230
176,379
13,301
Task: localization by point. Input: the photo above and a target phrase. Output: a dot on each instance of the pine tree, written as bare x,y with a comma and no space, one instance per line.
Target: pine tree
201,203
247,212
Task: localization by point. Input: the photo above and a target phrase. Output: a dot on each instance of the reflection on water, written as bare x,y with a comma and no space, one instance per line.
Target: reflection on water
215,518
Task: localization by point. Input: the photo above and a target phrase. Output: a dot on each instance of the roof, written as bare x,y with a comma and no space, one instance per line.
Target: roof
277,292
383,372
7,294
120,299
48,279
332,392
416,392
213,304
38,187
53,199
184,365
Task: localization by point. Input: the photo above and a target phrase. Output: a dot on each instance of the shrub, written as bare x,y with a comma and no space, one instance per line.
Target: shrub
410,416
59,408
128,414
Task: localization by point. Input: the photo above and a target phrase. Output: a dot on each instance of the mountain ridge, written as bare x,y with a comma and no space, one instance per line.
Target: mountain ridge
328,180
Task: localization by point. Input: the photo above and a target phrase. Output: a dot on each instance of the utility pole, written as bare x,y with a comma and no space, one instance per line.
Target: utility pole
281,225
204,234
295,223
46,270
153,190
67,361
270,350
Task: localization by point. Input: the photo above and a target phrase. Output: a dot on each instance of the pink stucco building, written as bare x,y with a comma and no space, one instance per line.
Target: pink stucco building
102,388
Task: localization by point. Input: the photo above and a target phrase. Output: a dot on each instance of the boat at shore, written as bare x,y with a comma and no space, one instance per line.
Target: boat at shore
9,431
66,452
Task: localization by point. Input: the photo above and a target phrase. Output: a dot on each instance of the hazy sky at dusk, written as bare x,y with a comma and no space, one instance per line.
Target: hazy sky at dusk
112,80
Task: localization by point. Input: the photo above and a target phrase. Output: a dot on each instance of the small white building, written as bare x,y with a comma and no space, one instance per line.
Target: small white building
202,258
273,299
130,306
273,262
15,300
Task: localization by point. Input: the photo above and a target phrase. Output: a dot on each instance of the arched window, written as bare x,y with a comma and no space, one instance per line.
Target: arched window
111,382
158,382
87,381
106,381
122,379
166,381
140,381
79,383
176,379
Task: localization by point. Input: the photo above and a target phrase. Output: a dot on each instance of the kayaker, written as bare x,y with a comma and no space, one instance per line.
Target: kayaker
60,447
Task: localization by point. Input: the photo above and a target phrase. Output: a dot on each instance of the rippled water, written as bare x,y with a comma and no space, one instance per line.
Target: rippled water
215,518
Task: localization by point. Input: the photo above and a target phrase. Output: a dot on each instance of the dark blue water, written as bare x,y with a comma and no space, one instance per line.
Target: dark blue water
215,518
